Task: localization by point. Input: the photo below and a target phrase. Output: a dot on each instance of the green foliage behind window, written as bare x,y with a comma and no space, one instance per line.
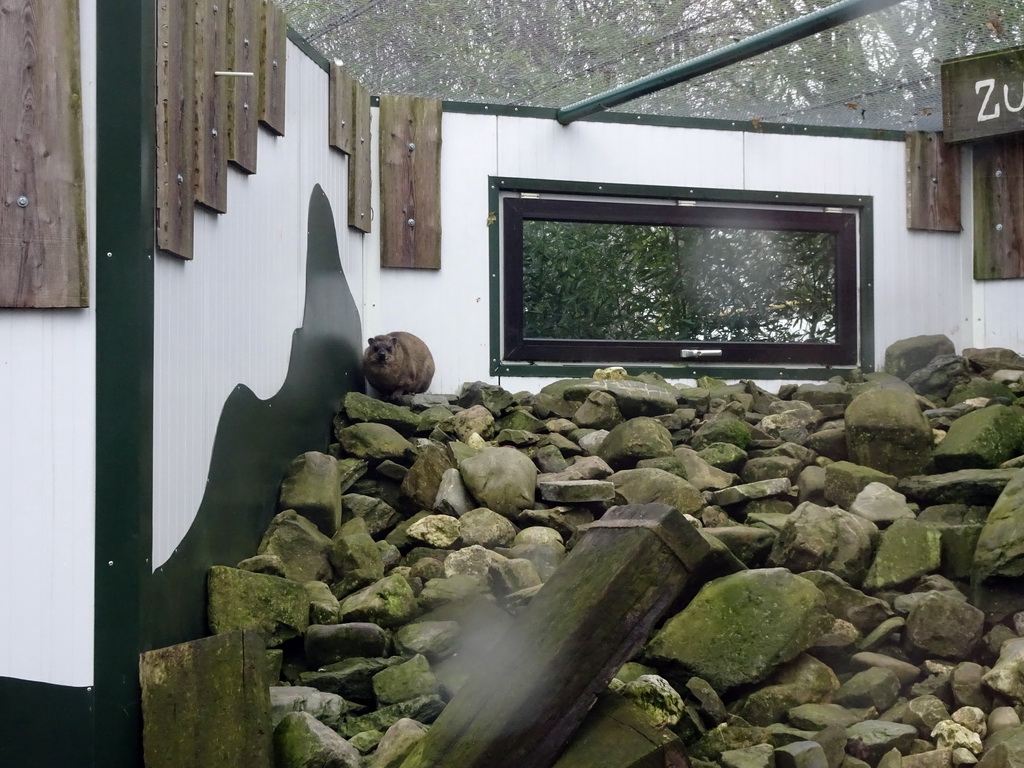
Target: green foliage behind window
585,280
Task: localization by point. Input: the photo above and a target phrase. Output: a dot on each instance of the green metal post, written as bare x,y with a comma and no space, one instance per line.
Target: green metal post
776,37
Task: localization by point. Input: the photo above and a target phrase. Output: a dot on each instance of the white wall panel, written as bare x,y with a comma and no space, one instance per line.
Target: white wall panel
226,318
47,462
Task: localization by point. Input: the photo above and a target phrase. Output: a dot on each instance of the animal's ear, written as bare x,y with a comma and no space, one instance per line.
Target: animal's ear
370,341
393,339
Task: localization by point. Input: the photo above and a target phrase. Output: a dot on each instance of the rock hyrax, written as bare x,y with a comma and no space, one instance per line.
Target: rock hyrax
397,364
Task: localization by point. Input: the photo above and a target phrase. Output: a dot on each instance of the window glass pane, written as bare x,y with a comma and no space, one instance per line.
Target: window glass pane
642,282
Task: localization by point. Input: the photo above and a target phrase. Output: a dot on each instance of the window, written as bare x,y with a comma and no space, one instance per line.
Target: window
679,278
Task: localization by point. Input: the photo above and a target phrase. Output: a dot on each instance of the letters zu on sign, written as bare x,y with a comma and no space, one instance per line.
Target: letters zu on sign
983,95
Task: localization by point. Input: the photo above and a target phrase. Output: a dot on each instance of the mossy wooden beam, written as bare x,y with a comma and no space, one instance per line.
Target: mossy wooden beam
43,243
206,703
592,615
175,127
410,182
999,208
933,183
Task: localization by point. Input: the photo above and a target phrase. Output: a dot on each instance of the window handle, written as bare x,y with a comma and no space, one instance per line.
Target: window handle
691,353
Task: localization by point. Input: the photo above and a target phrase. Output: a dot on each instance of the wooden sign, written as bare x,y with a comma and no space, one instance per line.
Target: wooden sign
983,95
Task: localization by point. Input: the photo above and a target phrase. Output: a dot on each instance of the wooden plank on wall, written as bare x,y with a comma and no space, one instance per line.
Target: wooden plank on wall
360,165
410,182
999,208
211,54
340,133
244,30
933,183
206,703
175,127
44,251
274,51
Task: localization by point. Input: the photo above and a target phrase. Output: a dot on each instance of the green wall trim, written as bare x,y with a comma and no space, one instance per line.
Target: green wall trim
43,725
307,48
707,124
125,244
496,185
257,439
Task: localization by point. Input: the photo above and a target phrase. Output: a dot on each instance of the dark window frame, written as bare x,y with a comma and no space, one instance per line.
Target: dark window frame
847,217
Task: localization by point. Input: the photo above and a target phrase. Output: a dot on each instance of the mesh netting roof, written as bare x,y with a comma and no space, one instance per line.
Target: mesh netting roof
880,71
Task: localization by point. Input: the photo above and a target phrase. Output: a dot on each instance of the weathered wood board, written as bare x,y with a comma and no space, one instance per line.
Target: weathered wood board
933,183
983,95
410,182
175,127
591,616
211,55
341,110
360,216
274,54
244,29
44,252
999,209
207,703
616,734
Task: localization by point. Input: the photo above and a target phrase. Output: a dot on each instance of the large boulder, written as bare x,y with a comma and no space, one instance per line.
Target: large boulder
634,398
311,487
638,438
905,356
739,628
845,480
422,481
388,603
907,550
302,741
501,479
825,538
643,486
303,549
981,439
375,443
886,430
277,609
943,626
999,555
938,378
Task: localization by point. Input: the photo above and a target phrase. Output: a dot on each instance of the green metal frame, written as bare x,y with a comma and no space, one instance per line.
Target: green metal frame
865,283
125,246
790,32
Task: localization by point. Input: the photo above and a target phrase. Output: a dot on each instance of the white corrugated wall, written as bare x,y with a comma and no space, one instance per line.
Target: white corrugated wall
48,462
226,317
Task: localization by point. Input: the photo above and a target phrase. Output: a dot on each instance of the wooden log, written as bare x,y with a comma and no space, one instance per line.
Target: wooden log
410,182
592,615
617,734
44,250
933,183
206,703
175,128
359,164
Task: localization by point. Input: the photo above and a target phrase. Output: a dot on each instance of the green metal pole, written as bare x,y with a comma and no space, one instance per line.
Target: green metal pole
776,37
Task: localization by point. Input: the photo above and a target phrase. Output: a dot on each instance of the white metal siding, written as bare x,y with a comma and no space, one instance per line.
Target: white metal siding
226,318
47,463
919,282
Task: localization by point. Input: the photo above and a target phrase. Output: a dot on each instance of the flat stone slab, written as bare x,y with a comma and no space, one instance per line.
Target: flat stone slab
761,489
576,491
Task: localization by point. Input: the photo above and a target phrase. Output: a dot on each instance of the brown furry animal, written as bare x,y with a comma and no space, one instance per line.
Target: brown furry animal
398,363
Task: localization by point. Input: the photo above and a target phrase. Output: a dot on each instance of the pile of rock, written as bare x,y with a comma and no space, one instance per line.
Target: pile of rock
866,606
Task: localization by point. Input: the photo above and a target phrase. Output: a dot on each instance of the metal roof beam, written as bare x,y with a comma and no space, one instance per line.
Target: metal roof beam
776,37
